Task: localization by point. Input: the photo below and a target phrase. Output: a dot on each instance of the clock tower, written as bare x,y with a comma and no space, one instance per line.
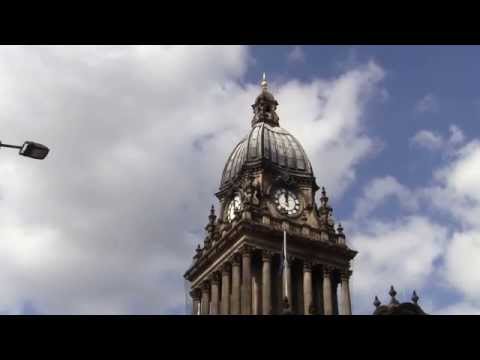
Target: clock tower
267,199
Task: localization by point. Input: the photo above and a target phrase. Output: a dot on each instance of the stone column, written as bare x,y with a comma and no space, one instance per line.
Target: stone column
335,294
256,288
205,302
266,283
225,303
327,291
346,304
246,302
307,287
196,296
235,305
214,302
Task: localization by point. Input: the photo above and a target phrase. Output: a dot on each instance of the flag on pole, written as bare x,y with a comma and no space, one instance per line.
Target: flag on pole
286,303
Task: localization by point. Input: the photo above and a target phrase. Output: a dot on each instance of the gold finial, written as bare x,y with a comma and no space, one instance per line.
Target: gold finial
264,83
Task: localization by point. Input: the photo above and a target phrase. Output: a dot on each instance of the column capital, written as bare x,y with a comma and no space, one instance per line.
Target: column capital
226,268
267,255
327,270
307,266
345,274
215,278
196,294
236,259
246,250
205,285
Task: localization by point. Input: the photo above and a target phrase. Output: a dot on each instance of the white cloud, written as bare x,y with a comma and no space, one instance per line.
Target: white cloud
464,174
296,55
433,141
463,263
456,135
378,191
458,194
139,136
428,103
428,140
399,252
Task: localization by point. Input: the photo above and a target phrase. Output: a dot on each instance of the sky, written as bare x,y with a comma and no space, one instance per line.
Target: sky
139,136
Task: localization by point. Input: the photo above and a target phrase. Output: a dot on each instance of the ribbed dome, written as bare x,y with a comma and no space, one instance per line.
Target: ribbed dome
271,144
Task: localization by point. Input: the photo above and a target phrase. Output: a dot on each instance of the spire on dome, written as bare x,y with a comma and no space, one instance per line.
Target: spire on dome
264,83
415,297
265,106
392,294
324,197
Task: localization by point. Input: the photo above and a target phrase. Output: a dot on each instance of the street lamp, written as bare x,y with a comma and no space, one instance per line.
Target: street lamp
30,149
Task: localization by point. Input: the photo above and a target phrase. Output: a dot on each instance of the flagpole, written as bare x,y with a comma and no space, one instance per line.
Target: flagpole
285,263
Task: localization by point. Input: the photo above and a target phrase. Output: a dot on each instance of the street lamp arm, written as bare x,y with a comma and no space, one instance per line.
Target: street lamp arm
10,146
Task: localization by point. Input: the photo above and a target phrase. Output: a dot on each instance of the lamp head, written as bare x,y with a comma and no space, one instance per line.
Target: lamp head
34,150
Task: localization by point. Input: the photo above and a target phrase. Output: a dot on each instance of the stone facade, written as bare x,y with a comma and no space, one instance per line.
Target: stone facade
268,187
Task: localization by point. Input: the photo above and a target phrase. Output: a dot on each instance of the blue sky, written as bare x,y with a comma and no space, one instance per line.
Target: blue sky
140,134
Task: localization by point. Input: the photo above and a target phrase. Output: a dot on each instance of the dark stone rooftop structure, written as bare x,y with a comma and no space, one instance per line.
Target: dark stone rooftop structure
397,308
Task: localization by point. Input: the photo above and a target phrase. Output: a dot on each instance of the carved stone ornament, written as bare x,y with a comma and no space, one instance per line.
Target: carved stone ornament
286,180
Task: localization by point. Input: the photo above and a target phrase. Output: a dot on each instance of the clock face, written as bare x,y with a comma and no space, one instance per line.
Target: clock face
287,202
233,206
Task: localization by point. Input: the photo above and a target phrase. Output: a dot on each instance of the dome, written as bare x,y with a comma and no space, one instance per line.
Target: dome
267,96
269,144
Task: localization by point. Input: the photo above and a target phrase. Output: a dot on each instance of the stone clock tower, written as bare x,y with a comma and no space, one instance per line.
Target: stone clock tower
267,191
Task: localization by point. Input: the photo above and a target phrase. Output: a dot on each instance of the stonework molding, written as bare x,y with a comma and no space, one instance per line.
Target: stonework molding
307,266
267,255
246,250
